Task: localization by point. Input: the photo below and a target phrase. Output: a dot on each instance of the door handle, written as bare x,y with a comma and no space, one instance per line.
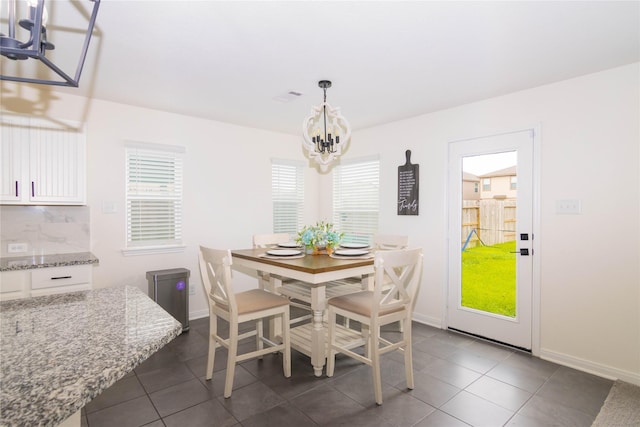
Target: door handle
522,252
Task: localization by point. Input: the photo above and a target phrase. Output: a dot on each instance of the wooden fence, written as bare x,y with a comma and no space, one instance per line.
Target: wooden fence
494,221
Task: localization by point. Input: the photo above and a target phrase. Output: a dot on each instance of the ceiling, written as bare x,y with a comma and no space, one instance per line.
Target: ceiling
230,61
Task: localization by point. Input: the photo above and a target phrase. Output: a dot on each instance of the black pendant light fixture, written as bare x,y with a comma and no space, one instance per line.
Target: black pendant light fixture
35,43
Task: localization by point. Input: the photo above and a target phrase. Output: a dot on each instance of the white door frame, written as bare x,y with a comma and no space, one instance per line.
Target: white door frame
535,244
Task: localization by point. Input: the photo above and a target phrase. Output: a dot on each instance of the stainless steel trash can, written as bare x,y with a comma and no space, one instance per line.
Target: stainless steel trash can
170,289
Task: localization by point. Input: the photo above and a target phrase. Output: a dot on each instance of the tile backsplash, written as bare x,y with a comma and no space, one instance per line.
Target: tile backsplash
44,230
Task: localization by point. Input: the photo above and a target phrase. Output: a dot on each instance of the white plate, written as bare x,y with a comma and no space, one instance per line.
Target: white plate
354,245
283,252
289,245
350,252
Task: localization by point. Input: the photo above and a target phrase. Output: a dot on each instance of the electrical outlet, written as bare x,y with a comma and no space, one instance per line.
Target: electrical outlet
192,289
14,248
568,207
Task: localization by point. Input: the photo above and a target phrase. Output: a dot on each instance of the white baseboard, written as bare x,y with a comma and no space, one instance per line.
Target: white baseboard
199,314
436,322
590,367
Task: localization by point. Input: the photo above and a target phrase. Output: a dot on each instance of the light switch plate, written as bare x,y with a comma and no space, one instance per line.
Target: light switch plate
109,207
14,248
568,207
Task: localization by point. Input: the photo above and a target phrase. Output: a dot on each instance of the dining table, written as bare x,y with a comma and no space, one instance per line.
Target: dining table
315,271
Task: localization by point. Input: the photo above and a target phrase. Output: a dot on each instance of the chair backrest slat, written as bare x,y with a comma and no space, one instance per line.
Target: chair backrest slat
397,278
215,271
266,240
390,241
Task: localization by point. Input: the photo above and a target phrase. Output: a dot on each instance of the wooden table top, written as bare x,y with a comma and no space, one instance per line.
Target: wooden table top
313,264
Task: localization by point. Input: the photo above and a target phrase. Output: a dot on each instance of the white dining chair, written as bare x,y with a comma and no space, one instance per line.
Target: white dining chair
265,241
389,302
385,242
236,308
274,283
382,242
390,241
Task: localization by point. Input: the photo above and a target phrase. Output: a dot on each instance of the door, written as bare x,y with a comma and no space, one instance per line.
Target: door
490,237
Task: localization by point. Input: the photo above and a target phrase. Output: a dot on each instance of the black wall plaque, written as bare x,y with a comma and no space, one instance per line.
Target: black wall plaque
408,181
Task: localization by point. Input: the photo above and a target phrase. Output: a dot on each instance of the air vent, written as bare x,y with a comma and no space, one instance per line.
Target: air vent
288,97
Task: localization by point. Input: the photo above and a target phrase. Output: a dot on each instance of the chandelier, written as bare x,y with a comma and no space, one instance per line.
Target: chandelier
37,44
325,132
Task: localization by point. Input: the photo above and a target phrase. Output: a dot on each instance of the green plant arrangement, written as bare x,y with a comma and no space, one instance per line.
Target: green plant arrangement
320,236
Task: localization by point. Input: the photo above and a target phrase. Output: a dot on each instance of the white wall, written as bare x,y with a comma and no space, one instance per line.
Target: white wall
589,276
589,264
227,188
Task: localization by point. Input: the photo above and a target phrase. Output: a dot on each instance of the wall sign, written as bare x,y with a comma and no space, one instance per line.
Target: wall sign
408,181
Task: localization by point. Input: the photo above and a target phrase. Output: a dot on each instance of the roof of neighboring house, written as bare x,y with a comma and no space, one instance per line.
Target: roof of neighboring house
466,176
510,171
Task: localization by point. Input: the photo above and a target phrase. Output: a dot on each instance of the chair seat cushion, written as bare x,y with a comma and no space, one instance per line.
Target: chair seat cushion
360,303
257,299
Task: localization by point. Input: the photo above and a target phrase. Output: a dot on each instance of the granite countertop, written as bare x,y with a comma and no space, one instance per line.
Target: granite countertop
43,261
61,351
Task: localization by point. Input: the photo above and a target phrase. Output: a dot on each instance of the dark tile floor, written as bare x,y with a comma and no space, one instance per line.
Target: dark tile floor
459,381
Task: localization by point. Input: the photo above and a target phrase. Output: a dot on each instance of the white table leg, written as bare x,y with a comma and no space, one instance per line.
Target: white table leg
318,346
275,323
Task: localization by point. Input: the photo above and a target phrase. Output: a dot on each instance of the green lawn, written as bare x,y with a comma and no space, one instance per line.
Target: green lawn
489,278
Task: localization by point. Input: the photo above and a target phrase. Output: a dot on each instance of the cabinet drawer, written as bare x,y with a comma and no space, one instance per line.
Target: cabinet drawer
60,276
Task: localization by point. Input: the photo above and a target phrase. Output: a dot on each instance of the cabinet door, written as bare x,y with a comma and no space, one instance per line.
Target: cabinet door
14,284
14,151
57,166
42,163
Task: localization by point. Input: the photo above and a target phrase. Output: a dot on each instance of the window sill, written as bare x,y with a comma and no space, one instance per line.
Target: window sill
150,250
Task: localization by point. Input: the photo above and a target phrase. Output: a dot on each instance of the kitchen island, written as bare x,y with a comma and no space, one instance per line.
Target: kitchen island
60,351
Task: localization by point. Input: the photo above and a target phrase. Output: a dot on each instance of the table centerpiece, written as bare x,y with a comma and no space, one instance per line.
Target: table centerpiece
319,237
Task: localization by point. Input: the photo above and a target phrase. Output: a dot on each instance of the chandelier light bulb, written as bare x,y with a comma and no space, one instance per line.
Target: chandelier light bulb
33,4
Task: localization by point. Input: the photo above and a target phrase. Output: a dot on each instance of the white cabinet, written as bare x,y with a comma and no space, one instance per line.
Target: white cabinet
42,164
55,280
14,284
44,281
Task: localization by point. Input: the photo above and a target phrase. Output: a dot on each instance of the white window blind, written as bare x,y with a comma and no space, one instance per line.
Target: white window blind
356,199
154,195
287,194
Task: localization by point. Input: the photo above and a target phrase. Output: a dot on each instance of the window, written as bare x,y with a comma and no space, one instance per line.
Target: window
154,197
356,199
514,182
287,195
476,187
486,184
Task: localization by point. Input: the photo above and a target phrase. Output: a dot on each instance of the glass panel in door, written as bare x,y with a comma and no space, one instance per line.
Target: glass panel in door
488,267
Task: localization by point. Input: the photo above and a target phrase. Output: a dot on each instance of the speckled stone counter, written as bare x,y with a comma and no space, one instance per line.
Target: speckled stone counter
59,352
44,261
